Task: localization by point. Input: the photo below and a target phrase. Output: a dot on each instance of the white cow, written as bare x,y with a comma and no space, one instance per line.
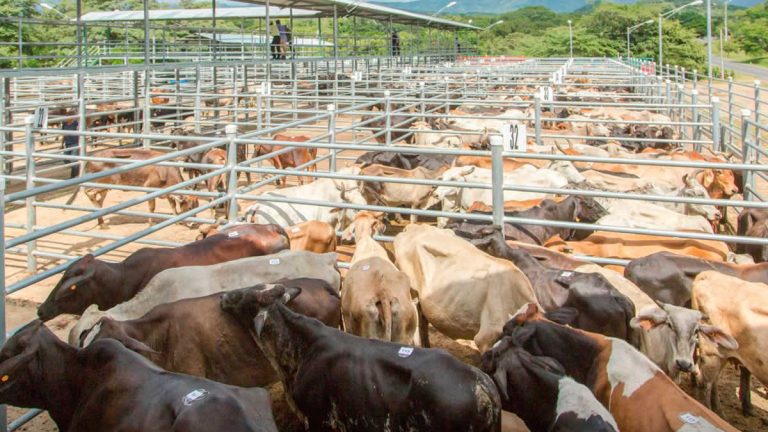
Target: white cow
455,198
198,281
641,214
288,214
492,124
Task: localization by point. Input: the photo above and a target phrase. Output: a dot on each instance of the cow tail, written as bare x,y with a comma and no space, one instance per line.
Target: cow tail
385,317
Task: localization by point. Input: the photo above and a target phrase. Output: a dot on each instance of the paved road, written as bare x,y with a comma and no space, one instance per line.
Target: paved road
758,72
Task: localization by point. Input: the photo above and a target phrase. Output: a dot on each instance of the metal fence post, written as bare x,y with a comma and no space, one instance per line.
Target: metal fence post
497,180
3,409
4,135
387,116
682,74
422,97
757,112
716,138
30,184
746,152
668,95
231,131
198,89
537,118
147,111
695,129
332,134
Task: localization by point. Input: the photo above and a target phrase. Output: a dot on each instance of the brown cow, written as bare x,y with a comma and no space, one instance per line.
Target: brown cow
510,164
311,236
636,392
215,156
297,156
753,222
106,387
632,246
153,176
195,337
90,281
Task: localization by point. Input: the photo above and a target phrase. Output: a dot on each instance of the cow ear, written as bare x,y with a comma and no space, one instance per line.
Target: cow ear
563,315
290,294
707,177
718,336
648,318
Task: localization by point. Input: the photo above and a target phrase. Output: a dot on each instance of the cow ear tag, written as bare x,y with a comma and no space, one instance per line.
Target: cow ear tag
405,352
5,378
72,287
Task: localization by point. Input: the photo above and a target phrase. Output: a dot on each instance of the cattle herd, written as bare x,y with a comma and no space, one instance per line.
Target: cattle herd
186,338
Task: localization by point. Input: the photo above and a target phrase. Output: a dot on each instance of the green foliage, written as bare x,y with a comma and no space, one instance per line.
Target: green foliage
753,36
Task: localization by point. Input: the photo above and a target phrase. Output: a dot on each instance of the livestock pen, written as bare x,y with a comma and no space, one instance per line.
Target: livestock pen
345,107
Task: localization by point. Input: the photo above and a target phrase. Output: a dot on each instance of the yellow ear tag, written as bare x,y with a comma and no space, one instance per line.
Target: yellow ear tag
4,378
73,287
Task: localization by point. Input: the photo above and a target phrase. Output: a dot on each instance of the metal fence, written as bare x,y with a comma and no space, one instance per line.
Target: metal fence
238,106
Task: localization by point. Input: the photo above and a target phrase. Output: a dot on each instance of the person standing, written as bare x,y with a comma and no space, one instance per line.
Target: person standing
71,142
395,44
274,45
282,30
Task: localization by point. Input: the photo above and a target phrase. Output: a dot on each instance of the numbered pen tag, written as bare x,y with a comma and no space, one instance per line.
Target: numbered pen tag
566,273
195,396
689,418
233,234
274,261
366,267
405,352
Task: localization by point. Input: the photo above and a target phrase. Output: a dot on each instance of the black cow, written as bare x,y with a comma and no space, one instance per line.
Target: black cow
537,390
107,387
407,161
344,382
571,209
601,308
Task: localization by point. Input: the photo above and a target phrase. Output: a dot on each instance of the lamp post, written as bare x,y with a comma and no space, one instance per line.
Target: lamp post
661,31
439,11
709,42
629,33
494,25
51,8
570,36
725,14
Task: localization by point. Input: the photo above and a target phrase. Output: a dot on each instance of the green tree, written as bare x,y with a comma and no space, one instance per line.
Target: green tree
753,36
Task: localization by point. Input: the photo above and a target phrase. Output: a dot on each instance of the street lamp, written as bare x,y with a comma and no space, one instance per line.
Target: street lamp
51,8
449,5
629,32
725,13
494,25
570,36
661,31
709,44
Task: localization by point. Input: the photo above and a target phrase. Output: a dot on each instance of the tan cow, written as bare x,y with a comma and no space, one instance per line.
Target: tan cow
154,176
632,246
737,321
312,236
398,194
463,292
376,296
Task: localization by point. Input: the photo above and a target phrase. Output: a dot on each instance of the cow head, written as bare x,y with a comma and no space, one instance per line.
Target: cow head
685,328
567,170
75,291
365,224
21,366
187,203
719,183
694,189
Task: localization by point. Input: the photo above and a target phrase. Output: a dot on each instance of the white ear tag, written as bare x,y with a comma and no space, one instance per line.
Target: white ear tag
195,396
405,352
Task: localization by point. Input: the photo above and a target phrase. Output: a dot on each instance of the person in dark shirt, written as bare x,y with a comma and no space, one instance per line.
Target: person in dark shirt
395,44
71,143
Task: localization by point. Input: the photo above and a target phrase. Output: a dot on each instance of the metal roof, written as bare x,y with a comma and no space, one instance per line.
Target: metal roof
260,39
365,10
199,14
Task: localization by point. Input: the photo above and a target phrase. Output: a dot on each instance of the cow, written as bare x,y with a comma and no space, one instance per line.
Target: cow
400,124
376,298
389,194
293,158
668,277
509,164
537,390
601,307
571,209
397,387
326,189
753,222
456,198
152,176
631,246
92,281
311,236
107,387
218,157
425,136
666,334
195,337
406,161
636,392
639,214
735,326
469,304
197,281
